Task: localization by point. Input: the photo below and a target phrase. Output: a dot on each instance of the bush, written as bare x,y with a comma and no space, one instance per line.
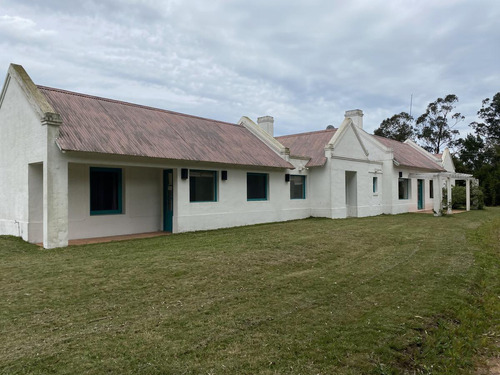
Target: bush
459,197
477,197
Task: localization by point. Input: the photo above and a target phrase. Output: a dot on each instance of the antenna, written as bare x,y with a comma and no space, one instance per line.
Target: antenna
411,102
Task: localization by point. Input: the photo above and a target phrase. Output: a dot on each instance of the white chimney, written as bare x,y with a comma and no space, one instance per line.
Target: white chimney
266,123
356,116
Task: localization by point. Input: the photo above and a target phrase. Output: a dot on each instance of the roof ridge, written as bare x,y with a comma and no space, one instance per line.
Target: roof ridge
306,133
132,104
389,139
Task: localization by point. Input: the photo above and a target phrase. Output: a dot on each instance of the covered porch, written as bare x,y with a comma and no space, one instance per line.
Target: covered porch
446,180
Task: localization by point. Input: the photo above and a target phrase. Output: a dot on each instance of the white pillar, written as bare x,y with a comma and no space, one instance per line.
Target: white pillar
438,195
55,192
467,194
448,187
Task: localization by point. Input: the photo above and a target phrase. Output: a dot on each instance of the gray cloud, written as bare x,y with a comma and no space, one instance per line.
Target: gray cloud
305,63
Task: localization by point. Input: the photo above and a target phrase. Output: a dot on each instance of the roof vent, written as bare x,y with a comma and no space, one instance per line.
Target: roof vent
330,127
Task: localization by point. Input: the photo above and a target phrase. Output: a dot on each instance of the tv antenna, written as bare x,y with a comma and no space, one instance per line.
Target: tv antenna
411,102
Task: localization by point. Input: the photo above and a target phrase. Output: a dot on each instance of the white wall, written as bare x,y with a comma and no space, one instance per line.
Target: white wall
142,197
22,141
233,208
410,204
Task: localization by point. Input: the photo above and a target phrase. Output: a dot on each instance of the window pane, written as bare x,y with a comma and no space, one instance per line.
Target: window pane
297,187
375,183
431,189
257,186
403,188
202,186
105,190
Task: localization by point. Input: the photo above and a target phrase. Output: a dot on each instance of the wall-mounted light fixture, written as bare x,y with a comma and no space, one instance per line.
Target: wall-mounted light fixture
184,173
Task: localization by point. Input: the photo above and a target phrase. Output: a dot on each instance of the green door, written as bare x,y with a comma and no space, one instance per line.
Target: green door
168,199
420,194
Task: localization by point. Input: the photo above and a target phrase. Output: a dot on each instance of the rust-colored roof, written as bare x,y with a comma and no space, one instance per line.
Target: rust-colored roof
310,145
407,155
93,124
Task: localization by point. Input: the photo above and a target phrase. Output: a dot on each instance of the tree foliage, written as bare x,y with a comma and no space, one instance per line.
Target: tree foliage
399,127
479,154
434,128
490,114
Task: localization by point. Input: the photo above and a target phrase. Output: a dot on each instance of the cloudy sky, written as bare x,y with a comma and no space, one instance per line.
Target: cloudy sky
303,62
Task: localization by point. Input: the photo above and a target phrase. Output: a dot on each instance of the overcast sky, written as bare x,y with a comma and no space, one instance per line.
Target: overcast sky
303,62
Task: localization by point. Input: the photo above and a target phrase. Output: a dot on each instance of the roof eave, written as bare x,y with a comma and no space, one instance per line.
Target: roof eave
285,164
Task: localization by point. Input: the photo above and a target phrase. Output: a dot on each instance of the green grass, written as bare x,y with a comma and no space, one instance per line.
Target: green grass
399,294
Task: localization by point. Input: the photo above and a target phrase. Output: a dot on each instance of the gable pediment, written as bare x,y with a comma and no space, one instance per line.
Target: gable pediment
348,143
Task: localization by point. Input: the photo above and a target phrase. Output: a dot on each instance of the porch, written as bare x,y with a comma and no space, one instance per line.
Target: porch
445,180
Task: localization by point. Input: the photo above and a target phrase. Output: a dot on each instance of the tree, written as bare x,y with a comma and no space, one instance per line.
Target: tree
490,114
398,127
479,154
433,128
470,156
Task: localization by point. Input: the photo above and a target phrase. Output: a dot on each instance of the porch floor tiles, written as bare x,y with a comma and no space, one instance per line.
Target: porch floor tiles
85,241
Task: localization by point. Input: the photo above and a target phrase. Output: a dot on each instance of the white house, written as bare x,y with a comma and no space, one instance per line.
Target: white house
77,166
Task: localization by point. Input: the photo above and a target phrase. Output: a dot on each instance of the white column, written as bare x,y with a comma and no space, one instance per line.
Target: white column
448,189
55,192
467,194
438,195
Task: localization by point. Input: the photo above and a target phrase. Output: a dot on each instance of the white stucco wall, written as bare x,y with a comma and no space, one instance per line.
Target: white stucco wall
410,204
233,208
22,141
141,203
143,198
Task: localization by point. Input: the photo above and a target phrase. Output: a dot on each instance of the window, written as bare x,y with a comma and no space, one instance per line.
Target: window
404,188
375,184
256,186
431,189
105,191
297,187
202,186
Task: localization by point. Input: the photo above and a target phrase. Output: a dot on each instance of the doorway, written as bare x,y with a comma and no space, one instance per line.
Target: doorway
168,199
351,194
420,189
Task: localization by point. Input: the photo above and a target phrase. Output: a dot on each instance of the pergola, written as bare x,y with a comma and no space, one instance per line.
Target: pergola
446,178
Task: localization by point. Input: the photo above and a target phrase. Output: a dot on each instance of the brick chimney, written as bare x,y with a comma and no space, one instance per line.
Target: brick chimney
356,116
266,123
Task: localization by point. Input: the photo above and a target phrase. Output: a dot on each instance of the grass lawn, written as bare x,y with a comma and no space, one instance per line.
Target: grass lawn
399,294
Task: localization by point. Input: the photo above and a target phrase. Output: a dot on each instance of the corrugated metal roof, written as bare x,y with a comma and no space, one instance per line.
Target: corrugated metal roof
93,124
310,145
408,156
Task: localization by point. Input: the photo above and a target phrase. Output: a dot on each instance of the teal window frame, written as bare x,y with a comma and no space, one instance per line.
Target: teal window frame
375,184
266,188
192,173
119,191
292,184
401,189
